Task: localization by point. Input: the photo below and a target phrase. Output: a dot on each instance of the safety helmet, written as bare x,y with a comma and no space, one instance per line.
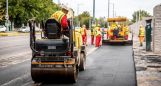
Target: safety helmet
64,8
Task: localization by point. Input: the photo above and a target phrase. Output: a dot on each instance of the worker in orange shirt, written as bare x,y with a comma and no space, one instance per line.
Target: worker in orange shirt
84,34
141,35
98,36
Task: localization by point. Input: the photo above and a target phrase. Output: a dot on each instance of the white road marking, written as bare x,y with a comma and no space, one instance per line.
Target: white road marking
27,77
5,62
18,81
4,57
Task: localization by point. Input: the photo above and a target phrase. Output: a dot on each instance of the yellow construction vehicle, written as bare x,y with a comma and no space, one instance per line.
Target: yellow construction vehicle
56,58
118,31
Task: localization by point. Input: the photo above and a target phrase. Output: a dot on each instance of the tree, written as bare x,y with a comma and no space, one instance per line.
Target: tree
20,11
139,15
83,18
102,21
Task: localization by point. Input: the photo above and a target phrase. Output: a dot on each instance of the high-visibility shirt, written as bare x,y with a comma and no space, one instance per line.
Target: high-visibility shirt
92,33
83,31
110,31
61,18
58,15
126,30
141,32
98,32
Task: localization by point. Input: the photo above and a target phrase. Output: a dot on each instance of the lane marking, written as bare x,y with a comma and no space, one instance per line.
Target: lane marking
14,56
19,80
12,46
15,60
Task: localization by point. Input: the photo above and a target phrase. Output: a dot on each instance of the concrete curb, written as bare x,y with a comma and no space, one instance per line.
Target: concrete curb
9,34
15,34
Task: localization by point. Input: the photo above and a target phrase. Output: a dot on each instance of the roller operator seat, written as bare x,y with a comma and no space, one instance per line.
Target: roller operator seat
53,42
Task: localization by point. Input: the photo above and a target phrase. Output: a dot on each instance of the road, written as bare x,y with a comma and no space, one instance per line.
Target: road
106,66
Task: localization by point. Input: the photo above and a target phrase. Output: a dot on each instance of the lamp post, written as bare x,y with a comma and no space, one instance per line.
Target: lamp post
113,10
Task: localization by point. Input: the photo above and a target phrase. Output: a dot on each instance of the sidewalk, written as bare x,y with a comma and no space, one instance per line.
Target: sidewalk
148,65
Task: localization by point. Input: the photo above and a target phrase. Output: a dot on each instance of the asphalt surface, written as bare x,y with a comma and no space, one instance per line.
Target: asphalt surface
106,66
11,46
13,50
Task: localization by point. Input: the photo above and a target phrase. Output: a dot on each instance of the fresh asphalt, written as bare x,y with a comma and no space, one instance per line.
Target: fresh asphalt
106,66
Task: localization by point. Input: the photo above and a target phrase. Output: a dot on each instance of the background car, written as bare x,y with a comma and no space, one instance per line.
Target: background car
3,28
24,29
37,29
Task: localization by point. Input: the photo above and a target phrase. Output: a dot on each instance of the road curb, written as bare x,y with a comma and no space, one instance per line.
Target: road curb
9,34
15,34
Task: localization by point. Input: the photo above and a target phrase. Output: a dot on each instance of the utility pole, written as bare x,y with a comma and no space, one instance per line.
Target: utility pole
113,11
7,17
108,12
108,8
93,21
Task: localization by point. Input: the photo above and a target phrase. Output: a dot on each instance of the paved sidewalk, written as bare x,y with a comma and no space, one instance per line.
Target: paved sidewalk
148,65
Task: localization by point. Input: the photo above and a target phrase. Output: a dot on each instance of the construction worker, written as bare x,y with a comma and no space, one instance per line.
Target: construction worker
126,32
92,35
115,32
141,34
84,34
111,29
77,37
98,36
61,17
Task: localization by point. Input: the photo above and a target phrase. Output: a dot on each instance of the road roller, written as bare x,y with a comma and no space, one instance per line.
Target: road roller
118,31
54,55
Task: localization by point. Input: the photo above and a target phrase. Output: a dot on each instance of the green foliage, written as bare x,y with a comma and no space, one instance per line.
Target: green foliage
139,15
102,21
20,11
83,19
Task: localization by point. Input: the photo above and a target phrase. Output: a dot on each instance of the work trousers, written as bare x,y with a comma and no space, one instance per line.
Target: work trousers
92,39
84,39
98,40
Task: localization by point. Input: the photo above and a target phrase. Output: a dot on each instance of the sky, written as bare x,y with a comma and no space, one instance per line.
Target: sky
121,7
